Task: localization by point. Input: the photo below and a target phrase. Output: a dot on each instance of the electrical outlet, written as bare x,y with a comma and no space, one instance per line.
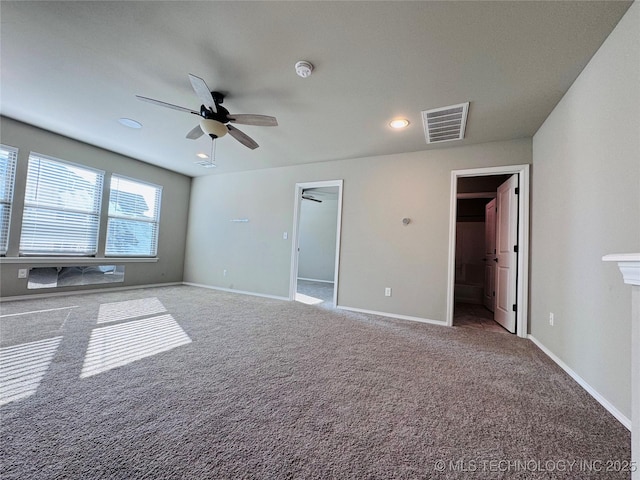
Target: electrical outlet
387,292
224,273
285,235
22,273
551,319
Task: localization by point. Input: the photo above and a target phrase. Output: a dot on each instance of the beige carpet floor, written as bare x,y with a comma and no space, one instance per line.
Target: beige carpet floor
189,383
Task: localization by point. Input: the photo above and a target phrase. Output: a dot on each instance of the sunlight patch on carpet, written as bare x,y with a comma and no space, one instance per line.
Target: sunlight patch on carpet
117,345
112,312
308,300
23,366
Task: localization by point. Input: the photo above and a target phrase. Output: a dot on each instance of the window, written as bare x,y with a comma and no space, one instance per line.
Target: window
61,208
134,213
8,156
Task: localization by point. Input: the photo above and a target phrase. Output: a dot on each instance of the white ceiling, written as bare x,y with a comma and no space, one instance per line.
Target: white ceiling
74,68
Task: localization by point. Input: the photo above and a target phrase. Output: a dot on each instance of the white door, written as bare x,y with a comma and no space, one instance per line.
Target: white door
490,255
506,253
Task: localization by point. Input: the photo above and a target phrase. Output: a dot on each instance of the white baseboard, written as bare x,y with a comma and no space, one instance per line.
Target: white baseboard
315,280
590,390
393,315
231,290
86,291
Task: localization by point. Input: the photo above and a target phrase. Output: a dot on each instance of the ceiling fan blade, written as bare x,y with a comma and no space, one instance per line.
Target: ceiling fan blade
165,104
203,92
242,137
195,133
252,119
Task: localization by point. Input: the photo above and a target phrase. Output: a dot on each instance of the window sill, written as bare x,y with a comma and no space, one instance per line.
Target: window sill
79,261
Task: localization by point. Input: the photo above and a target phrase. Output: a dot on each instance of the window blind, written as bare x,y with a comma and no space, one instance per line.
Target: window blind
62,208
134,215
8,158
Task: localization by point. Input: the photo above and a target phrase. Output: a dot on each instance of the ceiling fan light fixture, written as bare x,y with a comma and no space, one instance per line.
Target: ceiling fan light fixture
399,123
213,127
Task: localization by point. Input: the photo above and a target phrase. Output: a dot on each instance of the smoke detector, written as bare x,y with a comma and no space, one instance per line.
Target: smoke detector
304,68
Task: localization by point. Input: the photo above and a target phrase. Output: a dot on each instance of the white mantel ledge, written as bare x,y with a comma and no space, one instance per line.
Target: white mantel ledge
629,265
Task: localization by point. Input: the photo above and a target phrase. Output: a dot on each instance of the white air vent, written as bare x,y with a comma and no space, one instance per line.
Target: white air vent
206,164
445,124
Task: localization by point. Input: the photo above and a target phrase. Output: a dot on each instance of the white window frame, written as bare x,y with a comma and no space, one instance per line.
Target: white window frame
29,232
7,200
114,216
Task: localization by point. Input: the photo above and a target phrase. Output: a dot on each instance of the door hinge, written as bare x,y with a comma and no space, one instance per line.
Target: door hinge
515,248
517,191
515,307
494,294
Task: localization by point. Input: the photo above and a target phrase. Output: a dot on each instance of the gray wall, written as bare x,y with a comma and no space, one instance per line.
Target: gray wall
317,239
585,203
173,213
377,250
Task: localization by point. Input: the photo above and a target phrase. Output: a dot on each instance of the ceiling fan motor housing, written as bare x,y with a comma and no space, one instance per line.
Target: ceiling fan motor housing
218,98
221,115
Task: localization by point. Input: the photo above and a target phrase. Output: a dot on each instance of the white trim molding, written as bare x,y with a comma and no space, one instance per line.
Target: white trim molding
629,265
231,290
590,390
75,261
316,280
393,315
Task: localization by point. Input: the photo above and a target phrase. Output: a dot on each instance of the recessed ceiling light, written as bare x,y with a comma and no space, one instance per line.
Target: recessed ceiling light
399,123
127,122
202,155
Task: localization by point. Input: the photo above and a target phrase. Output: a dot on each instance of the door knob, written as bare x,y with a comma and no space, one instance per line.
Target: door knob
495,260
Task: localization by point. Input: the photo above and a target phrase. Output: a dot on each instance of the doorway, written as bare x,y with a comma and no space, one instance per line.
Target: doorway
474,285
316,243
471,265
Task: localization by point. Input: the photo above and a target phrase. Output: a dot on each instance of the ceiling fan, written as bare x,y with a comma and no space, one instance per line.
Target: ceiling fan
306,196
216,119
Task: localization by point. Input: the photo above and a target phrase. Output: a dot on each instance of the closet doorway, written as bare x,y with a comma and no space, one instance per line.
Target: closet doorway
488,251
